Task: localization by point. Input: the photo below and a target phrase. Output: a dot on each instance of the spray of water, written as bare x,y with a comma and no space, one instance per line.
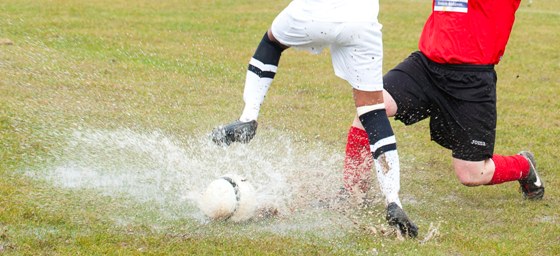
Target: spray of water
295,180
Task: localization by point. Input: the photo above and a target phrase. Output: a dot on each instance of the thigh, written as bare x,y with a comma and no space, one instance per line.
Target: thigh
357,55
467,128
465,120
301,32
409,87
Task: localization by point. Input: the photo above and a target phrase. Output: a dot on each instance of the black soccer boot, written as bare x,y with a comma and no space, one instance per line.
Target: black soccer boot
532,186
397,217
236,131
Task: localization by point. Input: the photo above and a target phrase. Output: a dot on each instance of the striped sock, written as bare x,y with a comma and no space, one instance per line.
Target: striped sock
260,73
383,147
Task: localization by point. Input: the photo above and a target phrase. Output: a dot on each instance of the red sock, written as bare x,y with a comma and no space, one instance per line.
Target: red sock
509,168
358,161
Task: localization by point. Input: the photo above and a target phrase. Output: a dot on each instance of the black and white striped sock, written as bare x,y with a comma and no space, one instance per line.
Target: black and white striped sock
260,73
383,148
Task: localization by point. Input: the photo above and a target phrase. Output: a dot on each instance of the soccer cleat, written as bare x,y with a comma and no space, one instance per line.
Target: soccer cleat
532,187
397,217
236,131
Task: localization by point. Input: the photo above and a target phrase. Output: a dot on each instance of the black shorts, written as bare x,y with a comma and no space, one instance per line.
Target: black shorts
459,99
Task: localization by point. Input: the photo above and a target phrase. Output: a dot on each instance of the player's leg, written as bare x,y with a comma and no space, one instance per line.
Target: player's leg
403,88
286,31
466,123
499,169
473,173
382,143
357,57
260,73
383,148
357,160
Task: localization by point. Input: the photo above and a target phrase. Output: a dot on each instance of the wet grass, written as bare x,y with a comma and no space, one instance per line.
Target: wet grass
179,68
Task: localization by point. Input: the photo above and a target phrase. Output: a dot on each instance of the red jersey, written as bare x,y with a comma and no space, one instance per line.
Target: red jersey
468,31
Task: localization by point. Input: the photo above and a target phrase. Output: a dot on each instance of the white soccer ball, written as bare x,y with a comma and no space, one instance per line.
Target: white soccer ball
230,197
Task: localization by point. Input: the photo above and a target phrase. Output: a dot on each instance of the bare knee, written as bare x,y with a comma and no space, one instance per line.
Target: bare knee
390,108
467,176
390,104
472,173
273,39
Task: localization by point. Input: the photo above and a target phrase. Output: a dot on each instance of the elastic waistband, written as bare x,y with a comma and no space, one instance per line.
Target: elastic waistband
463,67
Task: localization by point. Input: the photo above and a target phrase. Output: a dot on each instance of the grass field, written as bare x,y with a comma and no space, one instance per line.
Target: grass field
105,107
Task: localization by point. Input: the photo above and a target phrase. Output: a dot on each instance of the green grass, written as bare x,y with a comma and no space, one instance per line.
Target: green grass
178,67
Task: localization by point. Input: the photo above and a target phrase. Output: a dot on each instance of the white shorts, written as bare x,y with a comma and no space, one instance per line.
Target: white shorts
356,47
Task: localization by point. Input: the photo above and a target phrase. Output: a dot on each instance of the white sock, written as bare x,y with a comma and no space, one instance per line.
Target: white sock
255,90
388,176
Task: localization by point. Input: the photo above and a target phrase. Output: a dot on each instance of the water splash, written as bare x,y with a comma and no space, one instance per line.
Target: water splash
167,174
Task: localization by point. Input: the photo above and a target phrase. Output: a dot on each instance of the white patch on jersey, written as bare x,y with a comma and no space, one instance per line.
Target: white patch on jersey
451,5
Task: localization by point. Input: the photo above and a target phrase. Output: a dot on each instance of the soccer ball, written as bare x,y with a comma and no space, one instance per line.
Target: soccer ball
230,197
